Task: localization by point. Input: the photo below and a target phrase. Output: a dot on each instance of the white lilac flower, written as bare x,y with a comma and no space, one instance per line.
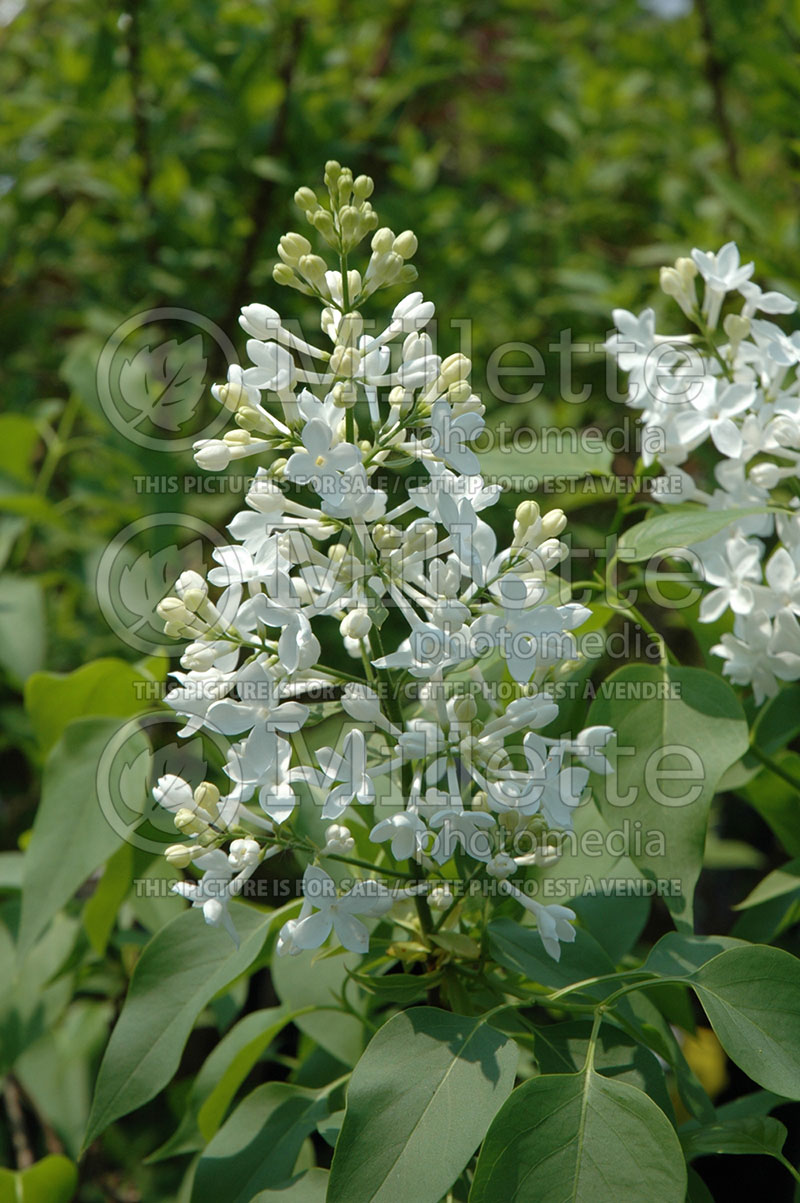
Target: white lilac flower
318,547
743,398
337,912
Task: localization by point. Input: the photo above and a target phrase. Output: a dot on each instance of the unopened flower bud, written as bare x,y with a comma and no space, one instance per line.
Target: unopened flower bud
306,199
179,855
501,866
440,898
363,186
339,840
356,625
213,455
172,609
736,327
232,395
312,268
405,244
553,523
527,512
323,223
187,821
455,368
464,708
293,247
206,796
382,241
283,274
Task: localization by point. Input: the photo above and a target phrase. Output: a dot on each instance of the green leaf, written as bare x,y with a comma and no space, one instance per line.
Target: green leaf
311,1187
778,721
418,1104
19,437
615,921
579,1137
185,964
520,949
103,687
678,955
751,996
776,801
22,626
259,1144
51,1180
678,730
71,835
750,1134
677,531
100,911
591,456
562,1048
776,884
300,984
220,1077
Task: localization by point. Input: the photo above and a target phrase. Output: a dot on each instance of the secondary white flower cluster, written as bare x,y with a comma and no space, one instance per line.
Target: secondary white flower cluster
737,389
368,516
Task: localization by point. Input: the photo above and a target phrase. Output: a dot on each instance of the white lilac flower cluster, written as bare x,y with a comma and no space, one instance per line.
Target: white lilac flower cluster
735,385
367,514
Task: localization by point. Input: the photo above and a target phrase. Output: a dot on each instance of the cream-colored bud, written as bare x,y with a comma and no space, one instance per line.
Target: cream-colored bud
382,241
386,537
283,274
670,282
232,395
351,328
187,821
306,199
686,269
172,609
349,224
405,244
323,223
440,898
194,598
343,395
459,392
480,800
407,275
312,268
553,523
527,512
345,361
206,796
363,186
292,247
465,708
455,368
277,468
736,327
178,855
237,438
356,625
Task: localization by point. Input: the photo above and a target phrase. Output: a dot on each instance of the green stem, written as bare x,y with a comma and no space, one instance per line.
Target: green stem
665,655
775,768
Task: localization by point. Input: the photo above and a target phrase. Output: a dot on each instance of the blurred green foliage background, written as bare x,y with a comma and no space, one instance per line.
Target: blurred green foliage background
550,156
